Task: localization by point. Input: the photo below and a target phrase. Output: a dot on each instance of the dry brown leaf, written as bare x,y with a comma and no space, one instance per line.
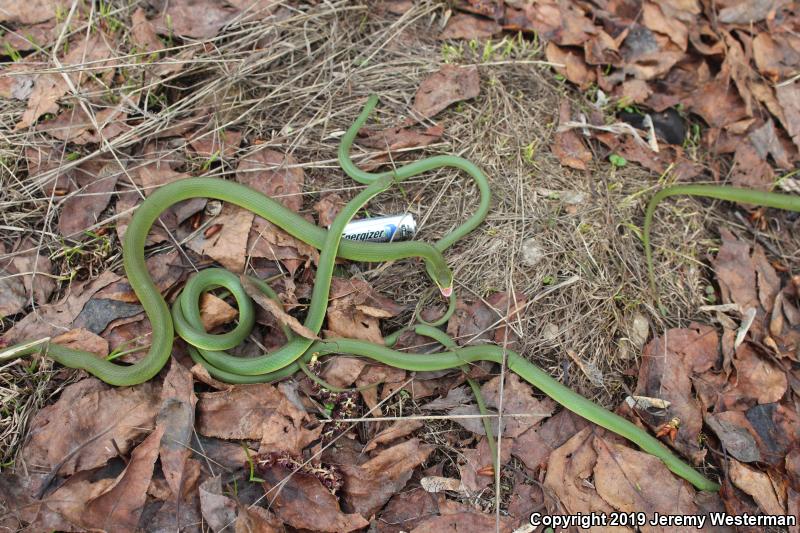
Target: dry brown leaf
788,96
56,318
215,312
369,486
457,517
476,465
735,434
83,339
228,245
346,312
747,12
447,86
463,26
574,69
759,486
119,508
405,510
257,412
76,432
633,481
32,11
143,34
668,362
176,421
750,171
341,371
214,145
758,380
218,510
517,399
328,206
568,472
765,141
567,145
534,446
17,275
718,103
654,18
252,519
276,309
75,126
96,182
49,88
398,429
200,19
775,56
302,493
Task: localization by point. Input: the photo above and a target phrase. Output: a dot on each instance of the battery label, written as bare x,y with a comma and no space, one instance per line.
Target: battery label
381,229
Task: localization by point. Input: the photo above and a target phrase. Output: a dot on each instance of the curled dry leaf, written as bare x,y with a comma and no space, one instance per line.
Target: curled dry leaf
477,470
760,486
517,399
329,205
457,517
276,309
24,276
229,244
355,310
300,493
56,318
218,510
462,26
75,126
398,429
633,481
407,509
369,486
668,362
76,432
568,472
449,85
200,19
176,421
257,412
343,371
83,339
96,181
572,65
567,145
534,446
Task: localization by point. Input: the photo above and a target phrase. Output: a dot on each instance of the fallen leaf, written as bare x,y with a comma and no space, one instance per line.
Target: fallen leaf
668,362
567,145
534,446
747,12
477,470
300,493
257,412
200,19
750,170
463,26
568,471
328,206
788,96
369,486
765,141
82,339
574,67
75,126
448,85
775,58
349,315
119,508
76,432
276,309
758,485
731,427
398,429
405,510
517,399
143,34
176,421
633,481
215,312
228,245
32,11
341,371
214,145
457,517
757,380
53,319
654,18
96,182
218,510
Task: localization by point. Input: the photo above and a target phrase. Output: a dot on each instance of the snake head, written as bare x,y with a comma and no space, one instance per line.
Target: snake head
446,291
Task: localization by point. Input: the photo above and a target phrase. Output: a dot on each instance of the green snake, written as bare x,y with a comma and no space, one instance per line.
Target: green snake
208,350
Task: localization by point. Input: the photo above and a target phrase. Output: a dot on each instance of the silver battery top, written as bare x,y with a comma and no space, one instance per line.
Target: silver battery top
381,229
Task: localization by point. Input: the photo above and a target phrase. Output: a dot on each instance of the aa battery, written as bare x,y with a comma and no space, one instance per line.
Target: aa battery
381,229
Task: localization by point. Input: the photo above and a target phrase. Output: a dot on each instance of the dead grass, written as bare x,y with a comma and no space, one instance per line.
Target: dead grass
294,85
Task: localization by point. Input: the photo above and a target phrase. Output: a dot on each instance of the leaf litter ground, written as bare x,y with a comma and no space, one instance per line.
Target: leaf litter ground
103,104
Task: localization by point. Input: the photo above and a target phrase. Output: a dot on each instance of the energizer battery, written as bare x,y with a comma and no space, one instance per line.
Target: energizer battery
381,229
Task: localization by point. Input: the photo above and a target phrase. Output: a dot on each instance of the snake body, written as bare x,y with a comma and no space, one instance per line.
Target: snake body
209,349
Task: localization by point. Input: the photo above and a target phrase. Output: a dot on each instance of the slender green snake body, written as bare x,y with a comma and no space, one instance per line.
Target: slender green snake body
209,349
